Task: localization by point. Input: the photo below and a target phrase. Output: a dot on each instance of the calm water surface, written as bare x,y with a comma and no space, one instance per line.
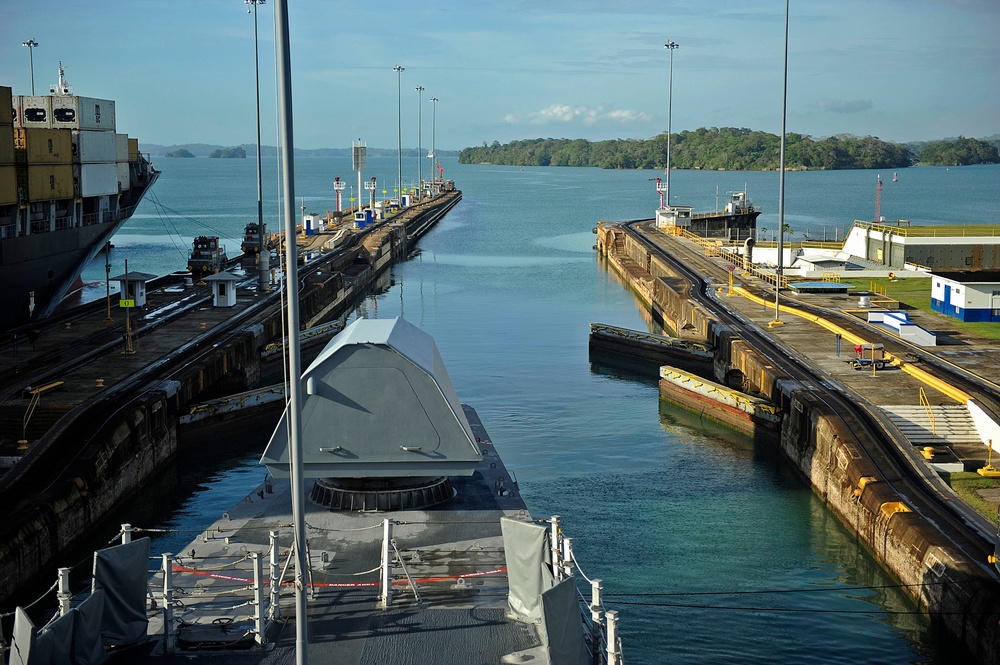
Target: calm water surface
688,526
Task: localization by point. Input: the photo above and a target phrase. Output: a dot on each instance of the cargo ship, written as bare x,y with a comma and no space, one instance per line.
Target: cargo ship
68,182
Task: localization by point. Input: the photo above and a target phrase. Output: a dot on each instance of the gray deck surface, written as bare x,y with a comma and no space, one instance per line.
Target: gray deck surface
460,619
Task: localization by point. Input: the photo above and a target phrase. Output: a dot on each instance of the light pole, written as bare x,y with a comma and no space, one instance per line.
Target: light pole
434,119
399,133
670,46
262,256
420,122
31,44
781,183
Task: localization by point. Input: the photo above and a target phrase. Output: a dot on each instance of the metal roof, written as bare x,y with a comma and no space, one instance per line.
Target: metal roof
378,403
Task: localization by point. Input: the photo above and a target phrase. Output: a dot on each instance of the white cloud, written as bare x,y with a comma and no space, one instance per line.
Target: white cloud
562,113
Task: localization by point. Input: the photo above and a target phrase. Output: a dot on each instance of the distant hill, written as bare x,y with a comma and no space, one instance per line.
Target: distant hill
206,149
180,152
229,153
728,148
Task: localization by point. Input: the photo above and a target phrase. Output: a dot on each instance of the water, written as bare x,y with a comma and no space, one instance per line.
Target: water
507,284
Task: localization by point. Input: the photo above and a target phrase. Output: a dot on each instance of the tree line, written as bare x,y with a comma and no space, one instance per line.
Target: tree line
723,148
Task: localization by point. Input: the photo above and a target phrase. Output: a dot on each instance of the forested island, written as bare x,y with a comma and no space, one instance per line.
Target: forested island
228,153
181,152
729,148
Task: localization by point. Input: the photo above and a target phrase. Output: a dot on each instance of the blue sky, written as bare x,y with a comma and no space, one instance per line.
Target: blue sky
181,71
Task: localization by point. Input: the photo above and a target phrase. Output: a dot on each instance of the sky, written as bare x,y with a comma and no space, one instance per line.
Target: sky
182,71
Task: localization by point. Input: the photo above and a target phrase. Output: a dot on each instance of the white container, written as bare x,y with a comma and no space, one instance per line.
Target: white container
94,147
33,111
84,113
97,179
121,147
124,181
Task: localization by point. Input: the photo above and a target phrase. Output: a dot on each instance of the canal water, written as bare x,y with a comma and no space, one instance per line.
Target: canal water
712,549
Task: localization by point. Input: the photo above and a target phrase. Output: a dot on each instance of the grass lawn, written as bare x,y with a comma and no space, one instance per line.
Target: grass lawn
916,294
965,485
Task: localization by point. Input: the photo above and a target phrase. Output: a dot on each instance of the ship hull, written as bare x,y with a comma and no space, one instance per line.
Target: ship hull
735,227
41,267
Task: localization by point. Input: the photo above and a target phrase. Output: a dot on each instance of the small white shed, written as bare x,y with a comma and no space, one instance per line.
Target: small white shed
132,286
223,288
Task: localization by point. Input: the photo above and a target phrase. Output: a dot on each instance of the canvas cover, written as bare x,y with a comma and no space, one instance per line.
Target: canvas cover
562,625
88,647
529,566
23,638
121,573
54,642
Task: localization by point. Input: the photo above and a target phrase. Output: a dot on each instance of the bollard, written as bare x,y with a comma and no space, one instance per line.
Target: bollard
63,593
556,550
274,611
98,383
596,619
567,557
169,635
613,654
386,582
258,599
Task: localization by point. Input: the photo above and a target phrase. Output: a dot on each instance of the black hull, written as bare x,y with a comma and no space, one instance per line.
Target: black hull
49,263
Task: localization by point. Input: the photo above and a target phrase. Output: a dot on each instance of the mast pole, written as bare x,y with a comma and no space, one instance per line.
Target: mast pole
262,257
284,67
671,46
781,184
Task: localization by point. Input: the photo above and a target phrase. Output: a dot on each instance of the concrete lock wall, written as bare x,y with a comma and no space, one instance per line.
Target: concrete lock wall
956,592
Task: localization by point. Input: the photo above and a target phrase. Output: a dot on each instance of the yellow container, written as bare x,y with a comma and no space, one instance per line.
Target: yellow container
50,181
8,184
6,144
6,106
43,146
133,149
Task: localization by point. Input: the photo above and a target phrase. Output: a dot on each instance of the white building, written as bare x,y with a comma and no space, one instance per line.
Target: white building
968,295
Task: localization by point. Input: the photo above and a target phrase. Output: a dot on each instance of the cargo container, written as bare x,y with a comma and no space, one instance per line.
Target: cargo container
50,181
121,147
8,185
6,144
34,111
124,181
133,150
93,147
6,106
97,179
83,113
43,146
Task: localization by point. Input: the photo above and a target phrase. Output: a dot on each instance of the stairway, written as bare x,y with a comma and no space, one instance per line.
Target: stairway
952,426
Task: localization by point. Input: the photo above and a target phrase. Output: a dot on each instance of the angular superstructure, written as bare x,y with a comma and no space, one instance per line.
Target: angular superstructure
379,405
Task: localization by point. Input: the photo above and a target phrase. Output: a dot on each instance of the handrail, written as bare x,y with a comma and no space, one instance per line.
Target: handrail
924,402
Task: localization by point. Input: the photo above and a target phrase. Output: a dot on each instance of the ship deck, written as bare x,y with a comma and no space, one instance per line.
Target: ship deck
453,553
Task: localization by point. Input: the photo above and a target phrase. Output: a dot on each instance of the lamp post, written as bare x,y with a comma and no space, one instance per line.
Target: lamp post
670,46
262,256
781,183
434,119
420,122
31,44
399,132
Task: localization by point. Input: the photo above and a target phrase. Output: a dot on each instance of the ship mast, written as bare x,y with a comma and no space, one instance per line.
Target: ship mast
284,71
